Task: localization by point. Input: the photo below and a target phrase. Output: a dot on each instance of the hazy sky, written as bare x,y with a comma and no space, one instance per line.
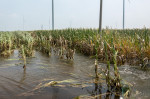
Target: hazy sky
72,13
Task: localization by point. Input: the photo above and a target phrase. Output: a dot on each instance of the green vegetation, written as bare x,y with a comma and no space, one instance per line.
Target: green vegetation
115,47
132,46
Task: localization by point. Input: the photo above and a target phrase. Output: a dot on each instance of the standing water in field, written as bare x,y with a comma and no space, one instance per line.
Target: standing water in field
55,78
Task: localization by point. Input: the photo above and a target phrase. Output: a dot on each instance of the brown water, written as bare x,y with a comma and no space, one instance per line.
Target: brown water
74,78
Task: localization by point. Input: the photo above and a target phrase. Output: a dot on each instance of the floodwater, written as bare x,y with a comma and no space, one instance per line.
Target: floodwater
54,78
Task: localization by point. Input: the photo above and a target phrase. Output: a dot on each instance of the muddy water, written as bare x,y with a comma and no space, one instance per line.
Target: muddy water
139,79
54,78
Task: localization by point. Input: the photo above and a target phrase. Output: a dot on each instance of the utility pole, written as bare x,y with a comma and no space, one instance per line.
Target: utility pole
23,23
49,23
52,14
41,27
123,14
100,16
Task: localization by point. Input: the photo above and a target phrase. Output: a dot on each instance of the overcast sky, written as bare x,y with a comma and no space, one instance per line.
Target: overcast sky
72,14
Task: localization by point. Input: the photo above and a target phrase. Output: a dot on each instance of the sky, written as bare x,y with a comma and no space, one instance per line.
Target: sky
37,14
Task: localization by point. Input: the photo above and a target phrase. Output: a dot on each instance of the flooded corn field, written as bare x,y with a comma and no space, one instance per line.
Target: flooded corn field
74,49
54,78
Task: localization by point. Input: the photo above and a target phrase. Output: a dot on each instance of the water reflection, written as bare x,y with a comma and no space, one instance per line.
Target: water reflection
23,77
97,83
103,90
55,93
98,88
